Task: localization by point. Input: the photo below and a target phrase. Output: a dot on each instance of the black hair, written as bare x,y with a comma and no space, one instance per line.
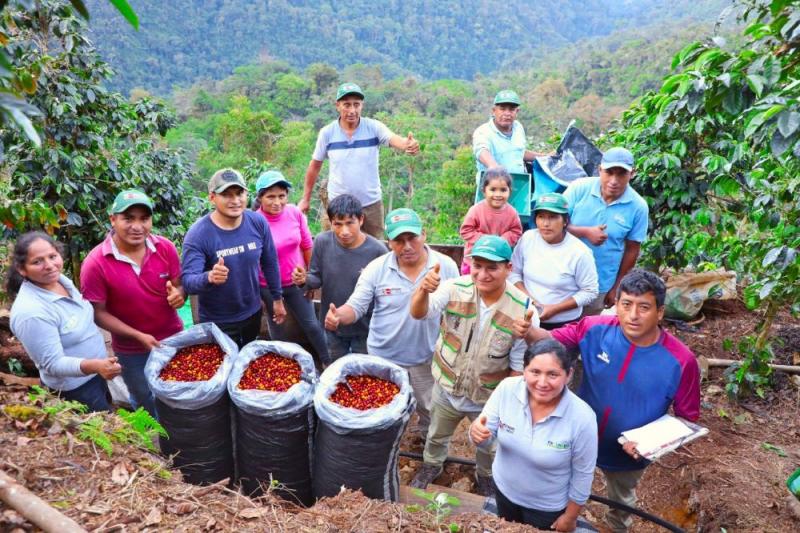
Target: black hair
262,192
343,206
20,254
495,173
638,282
565,358
564,216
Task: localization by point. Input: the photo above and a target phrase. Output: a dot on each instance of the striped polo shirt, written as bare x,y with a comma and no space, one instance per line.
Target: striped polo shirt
353,160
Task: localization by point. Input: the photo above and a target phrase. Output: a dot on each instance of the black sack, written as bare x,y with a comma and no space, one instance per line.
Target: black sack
274,430
360,449
199,439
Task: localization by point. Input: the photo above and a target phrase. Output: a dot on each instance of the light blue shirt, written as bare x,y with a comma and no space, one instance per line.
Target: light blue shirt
625,217
545,465
393,333
57,332
507,150
353,160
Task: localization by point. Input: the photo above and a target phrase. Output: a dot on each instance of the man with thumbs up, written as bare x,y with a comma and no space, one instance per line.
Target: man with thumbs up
133,279
351,143
223,254
483,320
611,219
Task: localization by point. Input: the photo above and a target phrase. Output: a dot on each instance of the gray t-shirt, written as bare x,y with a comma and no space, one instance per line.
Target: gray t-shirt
353,165
336,269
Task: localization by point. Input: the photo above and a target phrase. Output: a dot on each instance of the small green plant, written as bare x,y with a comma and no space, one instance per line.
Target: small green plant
139,428
772,448
440,506
15,366
753,374
94,430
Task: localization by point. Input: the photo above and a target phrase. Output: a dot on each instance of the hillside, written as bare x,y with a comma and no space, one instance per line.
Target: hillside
185,40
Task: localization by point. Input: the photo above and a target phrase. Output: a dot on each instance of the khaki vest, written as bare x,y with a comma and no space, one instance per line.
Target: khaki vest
467,362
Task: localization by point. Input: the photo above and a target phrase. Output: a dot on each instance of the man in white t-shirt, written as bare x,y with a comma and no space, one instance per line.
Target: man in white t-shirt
351,144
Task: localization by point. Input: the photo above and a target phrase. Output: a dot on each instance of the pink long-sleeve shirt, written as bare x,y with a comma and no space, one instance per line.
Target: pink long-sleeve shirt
482,220
291,236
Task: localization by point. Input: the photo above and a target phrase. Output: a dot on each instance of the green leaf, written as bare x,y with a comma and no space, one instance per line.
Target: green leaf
788,122
772,256
127,12
766,289
80,8
772,448
756,84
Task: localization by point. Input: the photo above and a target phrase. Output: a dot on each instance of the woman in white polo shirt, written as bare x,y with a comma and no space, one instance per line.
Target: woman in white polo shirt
555,268
546,441
56,325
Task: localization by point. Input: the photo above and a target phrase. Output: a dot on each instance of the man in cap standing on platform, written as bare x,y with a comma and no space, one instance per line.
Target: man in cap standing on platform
609,216
351,143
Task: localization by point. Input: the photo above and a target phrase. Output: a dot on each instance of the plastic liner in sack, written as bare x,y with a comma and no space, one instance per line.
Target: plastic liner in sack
196,415
274,430
359,449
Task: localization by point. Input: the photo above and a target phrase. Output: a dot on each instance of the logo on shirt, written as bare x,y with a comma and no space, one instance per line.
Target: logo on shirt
505,427
558,445
388,291
619,219
603,356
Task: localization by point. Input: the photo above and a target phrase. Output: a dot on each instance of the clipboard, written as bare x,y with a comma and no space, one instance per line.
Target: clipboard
662,436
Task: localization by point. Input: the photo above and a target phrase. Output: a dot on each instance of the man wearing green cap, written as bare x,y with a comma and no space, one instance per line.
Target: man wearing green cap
387,283
133,279
351,143
475,350
501,141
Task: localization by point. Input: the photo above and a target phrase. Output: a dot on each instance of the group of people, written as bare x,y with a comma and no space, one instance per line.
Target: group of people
494,340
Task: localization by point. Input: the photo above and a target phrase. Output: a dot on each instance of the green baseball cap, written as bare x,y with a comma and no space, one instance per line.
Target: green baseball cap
553,202
270,178
492,247
506,97
225,178
348,88
402,220
129,198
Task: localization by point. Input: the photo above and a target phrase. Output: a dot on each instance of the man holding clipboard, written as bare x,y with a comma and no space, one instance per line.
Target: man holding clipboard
632,372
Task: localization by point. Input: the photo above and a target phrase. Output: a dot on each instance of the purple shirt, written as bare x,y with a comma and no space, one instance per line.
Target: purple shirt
137,299
629,386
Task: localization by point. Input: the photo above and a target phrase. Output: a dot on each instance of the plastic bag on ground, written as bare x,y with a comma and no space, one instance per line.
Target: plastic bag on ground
687,291
196,415
359,449
274,430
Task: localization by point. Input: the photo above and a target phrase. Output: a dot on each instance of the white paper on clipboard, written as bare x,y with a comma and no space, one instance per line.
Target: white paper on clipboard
662,436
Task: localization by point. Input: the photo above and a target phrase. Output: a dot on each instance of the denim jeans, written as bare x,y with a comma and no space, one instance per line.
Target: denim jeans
302,310
339,345
93,393
133,376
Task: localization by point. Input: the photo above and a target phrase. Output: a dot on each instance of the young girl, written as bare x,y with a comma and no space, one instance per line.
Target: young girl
492,215
293,243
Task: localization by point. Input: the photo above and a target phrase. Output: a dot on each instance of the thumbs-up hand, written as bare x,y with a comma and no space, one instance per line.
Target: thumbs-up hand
299,276
478,431
521,326
412,145
175,296
332,319
597,234
432,279
218,273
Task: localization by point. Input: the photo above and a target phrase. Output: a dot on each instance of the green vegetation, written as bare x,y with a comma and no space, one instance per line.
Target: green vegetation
94,142
184,41
718,147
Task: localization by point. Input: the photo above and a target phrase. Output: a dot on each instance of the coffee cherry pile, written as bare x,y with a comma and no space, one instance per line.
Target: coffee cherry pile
369,392
194,363
271,372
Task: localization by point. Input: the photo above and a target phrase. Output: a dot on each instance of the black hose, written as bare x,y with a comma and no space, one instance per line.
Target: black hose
599,499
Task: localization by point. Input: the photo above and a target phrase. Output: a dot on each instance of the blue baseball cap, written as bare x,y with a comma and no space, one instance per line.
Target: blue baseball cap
270,178
617,157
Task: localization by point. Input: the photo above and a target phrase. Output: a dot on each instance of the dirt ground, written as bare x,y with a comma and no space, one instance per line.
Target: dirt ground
731,480
727,481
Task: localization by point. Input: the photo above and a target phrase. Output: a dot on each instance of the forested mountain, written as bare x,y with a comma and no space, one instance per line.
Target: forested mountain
181,41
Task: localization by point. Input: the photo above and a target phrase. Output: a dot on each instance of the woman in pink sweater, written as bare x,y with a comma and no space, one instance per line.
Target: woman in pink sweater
491,216
293,243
